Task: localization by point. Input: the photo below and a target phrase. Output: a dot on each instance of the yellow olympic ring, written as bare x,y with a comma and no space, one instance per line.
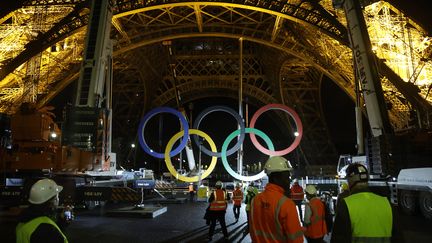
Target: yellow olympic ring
168,158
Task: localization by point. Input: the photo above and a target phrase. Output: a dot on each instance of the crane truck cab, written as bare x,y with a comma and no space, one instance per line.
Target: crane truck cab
411,190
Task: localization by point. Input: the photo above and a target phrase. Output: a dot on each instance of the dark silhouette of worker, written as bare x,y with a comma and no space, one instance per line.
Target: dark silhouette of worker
38,222
218,204
297,195
364,216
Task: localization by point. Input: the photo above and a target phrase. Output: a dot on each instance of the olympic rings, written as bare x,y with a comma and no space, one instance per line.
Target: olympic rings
297,121
213,153
229,111
147,117
168,157
224,154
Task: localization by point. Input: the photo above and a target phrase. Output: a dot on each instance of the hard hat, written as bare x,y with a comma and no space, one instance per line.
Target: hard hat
277,164
344,186
219,183
311,190
43,190
238,184
356,173
295,182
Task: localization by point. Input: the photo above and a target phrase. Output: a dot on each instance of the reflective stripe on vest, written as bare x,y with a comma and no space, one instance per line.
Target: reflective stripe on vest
371,217
279,234
237,197
219,203
297,193
25,230
317,227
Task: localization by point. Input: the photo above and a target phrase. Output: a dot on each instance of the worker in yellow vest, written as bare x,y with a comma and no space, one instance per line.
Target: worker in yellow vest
237,201
252,191
37,223
363,216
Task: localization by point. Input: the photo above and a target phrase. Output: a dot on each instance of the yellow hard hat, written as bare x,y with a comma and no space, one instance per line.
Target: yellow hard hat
311,190
43,190
277,164
344,186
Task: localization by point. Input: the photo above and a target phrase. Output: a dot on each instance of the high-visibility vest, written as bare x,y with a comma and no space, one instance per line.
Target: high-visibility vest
219,203
237,197
274,218
25,230
249,196
297,193
371,217
317,227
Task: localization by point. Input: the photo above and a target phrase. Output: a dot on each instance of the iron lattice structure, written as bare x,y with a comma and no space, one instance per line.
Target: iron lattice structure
300,42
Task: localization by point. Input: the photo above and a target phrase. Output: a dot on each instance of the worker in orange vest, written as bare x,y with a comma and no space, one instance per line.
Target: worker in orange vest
218,203
314,218
274,216
237,199
297,195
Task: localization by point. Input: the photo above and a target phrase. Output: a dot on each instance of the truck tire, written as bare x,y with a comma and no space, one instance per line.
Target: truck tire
408,202
425,202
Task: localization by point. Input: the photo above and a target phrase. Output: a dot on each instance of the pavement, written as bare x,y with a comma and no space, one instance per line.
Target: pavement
180,223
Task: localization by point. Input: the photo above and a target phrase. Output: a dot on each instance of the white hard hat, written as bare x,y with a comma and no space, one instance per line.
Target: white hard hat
311,190
277,164
219,183
238,184
43,190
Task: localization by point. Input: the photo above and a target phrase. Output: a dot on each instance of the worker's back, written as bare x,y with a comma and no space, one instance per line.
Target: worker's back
274,217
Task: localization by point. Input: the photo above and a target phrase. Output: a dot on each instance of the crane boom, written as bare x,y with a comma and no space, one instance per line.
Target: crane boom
88,123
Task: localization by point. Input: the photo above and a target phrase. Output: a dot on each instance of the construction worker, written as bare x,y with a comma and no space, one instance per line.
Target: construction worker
37,222
274,216
297,195
252,191
363,216
237,200
344,192
314,218
218,203
191,192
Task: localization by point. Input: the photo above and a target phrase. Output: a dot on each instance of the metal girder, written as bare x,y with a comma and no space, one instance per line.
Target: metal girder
302,92
72,22
304,12
249,13
204,71
301,29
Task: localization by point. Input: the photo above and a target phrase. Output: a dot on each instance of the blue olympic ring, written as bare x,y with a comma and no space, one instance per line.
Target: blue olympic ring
148,116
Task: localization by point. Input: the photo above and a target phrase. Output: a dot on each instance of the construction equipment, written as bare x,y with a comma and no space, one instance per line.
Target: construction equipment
78,156
386,154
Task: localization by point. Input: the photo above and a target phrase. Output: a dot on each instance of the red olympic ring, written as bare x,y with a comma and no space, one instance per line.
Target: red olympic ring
297,121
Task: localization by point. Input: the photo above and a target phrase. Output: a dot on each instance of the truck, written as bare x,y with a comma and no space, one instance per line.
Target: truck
78,154
400,165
